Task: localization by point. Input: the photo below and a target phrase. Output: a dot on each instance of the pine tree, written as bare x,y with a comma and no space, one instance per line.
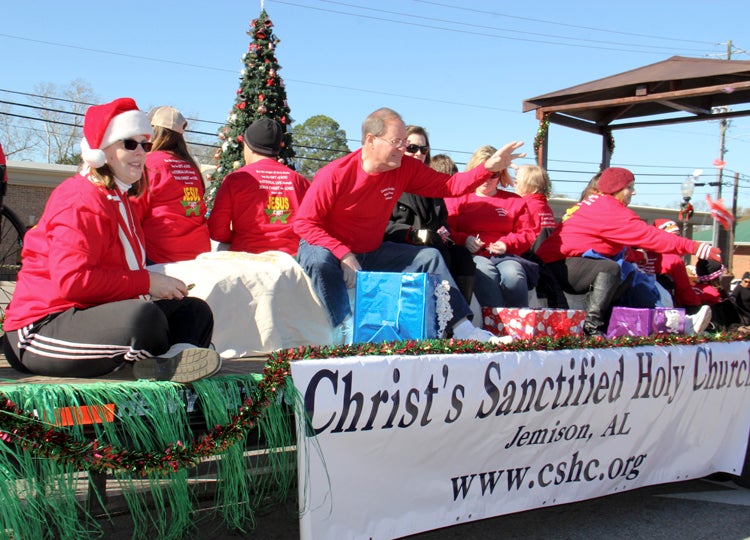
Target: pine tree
261,93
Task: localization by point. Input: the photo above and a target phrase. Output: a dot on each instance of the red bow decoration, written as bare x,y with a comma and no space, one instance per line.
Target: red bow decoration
686,212
720,213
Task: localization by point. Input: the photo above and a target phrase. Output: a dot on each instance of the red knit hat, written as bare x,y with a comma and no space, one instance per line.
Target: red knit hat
106,124
614,179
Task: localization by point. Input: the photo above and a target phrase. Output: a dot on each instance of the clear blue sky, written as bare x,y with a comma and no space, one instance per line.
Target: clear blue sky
461,69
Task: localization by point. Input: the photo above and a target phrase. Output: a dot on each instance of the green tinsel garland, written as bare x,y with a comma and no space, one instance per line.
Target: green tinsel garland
541,133
150,445
610,141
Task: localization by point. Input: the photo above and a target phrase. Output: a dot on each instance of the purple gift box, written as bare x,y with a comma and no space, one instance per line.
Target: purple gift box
627,321
668,320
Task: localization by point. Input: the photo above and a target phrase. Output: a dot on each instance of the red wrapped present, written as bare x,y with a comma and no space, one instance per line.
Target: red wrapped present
526,323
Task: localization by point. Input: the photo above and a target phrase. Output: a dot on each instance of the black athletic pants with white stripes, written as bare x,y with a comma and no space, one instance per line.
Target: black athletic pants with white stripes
94,341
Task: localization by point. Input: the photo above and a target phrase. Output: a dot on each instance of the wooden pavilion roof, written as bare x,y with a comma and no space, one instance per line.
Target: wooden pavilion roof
686,89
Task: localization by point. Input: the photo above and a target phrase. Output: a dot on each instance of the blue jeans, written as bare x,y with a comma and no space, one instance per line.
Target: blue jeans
500,282
327,277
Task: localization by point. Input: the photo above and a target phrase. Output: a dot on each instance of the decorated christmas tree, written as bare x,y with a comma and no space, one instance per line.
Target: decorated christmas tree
261,93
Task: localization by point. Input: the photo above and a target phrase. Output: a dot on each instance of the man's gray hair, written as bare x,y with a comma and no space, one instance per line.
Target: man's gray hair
376,120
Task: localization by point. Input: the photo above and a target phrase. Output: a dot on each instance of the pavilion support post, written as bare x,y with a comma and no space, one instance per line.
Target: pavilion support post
606,149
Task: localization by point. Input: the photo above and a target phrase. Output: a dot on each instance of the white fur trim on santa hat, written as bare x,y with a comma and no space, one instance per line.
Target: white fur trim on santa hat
93,157
123,126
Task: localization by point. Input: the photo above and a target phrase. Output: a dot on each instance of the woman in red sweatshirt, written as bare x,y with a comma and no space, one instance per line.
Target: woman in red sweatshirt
85,304
496,227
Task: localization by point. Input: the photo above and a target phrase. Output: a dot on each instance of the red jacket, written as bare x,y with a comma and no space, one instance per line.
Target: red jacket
347,210
74,256
256,206
602,223
173,210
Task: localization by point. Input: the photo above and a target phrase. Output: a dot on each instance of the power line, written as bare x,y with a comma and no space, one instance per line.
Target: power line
422,17
477,33
557,23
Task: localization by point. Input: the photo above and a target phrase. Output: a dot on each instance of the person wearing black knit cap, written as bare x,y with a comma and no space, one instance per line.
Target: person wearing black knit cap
256,205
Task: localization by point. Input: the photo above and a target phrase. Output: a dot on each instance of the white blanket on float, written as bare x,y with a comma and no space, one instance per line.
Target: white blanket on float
261,302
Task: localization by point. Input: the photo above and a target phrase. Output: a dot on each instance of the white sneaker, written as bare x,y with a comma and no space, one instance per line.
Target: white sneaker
698,322
482,335
343,334
182,363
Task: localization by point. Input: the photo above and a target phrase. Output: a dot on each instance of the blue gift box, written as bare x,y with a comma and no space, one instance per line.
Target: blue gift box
394,306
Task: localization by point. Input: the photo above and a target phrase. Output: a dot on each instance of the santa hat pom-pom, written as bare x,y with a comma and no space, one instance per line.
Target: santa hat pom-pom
95,158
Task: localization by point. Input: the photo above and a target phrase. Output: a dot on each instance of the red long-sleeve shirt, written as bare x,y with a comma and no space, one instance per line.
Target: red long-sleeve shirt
346,209
503,216
256,206
173,210
604,224
686,295
542,216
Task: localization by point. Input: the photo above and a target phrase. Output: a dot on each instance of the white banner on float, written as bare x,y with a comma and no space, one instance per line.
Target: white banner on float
399,445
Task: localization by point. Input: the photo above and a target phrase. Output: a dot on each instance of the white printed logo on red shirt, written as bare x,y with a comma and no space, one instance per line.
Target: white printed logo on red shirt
388,193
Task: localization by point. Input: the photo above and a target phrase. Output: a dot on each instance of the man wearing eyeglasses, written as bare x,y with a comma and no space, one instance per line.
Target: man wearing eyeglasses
343,216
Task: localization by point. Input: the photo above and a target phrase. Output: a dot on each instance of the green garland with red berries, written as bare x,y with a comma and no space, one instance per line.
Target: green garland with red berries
47,441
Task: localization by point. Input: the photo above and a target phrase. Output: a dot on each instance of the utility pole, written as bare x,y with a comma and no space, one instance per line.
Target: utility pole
734,215
721,238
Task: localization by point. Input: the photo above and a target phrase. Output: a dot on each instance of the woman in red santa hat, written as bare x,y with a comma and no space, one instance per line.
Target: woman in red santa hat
583,250
84,304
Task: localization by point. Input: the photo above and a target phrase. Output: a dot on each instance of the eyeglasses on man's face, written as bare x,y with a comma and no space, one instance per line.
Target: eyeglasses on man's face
414,148
130,144
397,143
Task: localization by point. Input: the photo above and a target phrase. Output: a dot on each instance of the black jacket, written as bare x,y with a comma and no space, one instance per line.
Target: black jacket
414,212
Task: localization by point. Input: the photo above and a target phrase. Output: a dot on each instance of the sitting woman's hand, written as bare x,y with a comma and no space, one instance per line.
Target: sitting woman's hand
497,248
163,287
474,244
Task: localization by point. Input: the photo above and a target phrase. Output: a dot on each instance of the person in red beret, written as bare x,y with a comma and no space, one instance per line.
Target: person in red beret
584,250
85,304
